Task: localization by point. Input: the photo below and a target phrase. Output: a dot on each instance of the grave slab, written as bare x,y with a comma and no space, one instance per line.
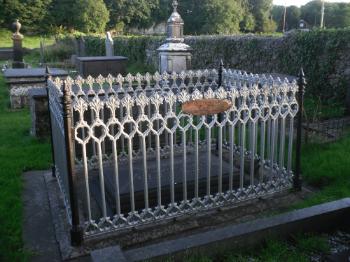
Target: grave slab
21,80
101,65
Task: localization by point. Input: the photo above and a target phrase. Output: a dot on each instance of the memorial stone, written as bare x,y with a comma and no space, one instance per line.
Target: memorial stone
174,54
17,38
109,45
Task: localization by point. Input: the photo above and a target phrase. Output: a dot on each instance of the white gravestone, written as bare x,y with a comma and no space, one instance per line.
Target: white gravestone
109,45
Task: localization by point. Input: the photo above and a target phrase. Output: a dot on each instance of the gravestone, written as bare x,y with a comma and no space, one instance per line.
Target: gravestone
174,54
109,45
101,65
17,38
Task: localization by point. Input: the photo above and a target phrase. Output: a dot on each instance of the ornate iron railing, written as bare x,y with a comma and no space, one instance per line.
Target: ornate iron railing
139,159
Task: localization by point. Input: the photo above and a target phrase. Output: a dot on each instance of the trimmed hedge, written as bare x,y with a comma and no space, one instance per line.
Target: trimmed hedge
324,55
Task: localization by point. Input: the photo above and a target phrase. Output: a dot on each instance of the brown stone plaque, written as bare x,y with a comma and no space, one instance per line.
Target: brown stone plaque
203,107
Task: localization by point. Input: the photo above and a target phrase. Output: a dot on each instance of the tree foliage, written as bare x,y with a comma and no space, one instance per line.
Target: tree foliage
31,13
261,10
200,16
89,16
212,16
293,16
337,15
135,13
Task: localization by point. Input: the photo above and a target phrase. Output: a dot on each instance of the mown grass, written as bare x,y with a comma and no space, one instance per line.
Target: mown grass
28,41
327,167
18,152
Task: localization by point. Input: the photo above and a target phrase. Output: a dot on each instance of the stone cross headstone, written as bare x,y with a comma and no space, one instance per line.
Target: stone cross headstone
109,45
17,38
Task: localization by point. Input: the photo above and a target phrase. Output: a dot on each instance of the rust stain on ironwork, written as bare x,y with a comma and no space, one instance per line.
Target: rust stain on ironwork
203,107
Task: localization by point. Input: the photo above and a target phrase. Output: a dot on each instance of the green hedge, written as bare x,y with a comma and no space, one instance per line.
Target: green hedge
324,55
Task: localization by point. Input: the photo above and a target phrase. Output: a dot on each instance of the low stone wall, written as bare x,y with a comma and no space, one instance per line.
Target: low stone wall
19,94
21,81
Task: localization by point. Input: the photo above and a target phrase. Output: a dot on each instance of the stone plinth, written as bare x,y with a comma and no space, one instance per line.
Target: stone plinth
39,113
101,65
174,57
17,38
20,81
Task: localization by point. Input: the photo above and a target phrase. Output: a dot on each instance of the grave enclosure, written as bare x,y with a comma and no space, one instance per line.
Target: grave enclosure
134,158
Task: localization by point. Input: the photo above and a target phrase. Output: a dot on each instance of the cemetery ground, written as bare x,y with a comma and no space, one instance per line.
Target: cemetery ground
325,168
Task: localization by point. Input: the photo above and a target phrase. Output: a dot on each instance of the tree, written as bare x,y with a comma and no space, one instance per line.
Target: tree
261,10
292,17
31,13
311,13
133,13
248,23
212,16
277,13
89,16
222,17
337,15
93,17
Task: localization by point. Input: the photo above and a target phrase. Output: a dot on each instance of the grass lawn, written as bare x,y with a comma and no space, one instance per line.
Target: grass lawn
28,41
18,152
324,166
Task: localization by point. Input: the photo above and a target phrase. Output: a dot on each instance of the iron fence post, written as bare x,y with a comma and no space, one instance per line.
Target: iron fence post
47,76
221,69
76,230
297,182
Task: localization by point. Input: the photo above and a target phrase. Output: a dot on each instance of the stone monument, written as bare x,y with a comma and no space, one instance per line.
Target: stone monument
109,44
17,38
174,54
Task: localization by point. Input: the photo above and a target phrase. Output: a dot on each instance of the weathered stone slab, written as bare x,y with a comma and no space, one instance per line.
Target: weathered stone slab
20,81
101,65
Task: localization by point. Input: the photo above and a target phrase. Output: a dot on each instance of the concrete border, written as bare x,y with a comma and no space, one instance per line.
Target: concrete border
319,218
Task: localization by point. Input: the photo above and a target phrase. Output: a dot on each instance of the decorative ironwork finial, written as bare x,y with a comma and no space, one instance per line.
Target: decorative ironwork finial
175,5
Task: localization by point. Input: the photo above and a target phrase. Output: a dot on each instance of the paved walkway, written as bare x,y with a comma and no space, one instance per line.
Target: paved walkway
38,230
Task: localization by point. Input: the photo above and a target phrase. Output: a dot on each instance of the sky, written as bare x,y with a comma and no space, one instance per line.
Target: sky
301,2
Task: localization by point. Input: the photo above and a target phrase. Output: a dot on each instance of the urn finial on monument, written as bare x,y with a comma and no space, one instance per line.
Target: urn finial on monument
17,38
16,28
174,54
